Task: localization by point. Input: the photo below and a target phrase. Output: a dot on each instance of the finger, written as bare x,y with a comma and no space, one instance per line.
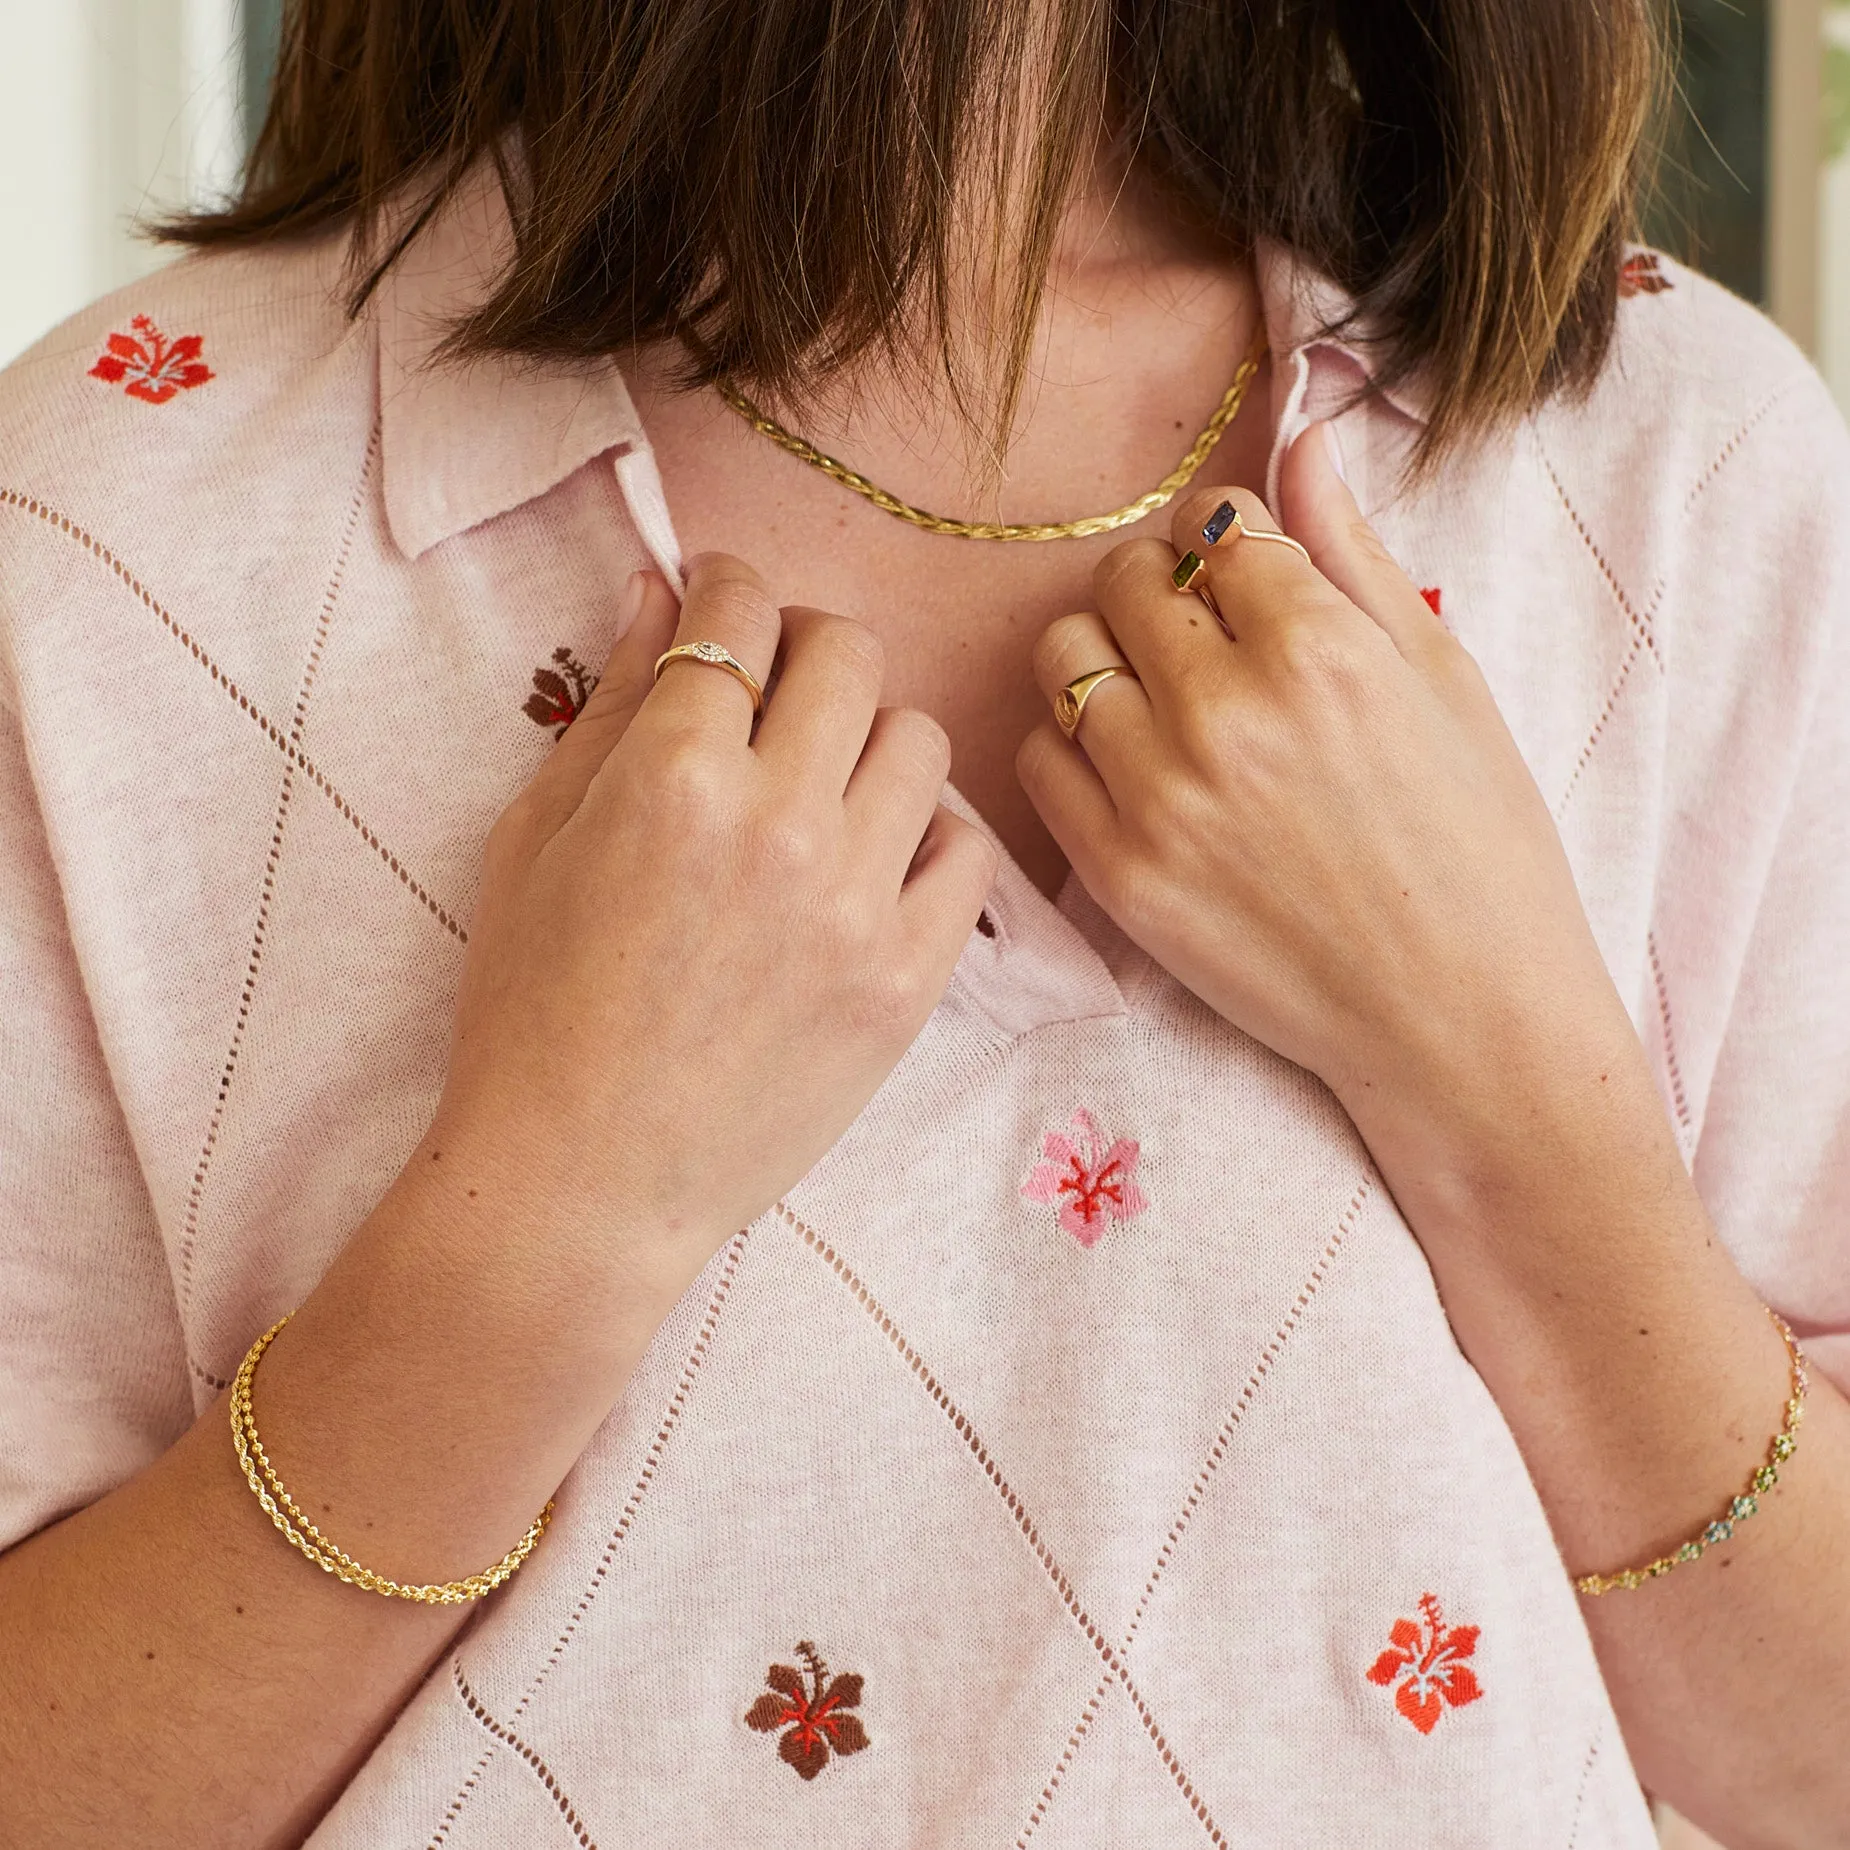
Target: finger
944,894
828,685
725,602
1261,585
1071,798
897,786
646,616
1116,728
1171,638
1320,511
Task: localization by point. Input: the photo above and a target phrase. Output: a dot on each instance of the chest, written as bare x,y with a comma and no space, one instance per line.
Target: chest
958,616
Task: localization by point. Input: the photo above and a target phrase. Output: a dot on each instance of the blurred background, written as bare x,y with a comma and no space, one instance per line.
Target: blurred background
114,108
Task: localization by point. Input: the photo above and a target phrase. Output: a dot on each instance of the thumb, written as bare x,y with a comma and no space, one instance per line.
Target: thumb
645,620
1319,510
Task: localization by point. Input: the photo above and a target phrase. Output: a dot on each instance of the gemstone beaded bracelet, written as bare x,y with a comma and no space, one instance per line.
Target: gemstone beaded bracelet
1785,1443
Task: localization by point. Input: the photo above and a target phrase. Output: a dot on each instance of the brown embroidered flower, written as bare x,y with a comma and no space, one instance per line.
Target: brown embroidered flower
558,699
1643,274
813,1714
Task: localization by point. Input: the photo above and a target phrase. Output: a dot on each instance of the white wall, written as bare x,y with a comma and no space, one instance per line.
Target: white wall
1834,252
108,108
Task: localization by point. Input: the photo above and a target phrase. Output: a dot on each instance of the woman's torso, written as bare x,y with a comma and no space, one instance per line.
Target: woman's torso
1147,1502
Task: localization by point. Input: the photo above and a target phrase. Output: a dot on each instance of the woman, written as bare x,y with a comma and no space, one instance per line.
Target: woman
888,1342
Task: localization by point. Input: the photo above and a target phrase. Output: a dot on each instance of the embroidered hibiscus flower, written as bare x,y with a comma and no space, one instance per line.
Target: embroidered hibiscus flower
558,699
1093,1182
813,1716
1427,1665
156,368
1642,273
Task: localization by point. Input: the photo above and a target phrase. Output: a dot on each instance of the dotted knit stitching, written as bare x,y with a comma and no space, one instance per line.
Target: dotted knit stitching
1198,1491
972,1439
541,1770
1644,637
195,1195
1641,626
1580,1792
1086,1718
671,1418
1679,1098
1599,727
274,733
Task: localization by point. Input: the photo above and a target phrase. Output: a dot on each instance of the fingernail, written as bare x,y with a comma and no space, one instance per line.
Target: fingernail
629,602
1334,445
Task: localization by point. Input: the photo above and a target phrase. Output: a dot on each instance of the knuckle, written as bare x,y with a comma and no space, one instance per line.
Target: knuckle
1059,643
1317,652
686,782
741,609
925,743
890,993
1134,559
784,846
854,647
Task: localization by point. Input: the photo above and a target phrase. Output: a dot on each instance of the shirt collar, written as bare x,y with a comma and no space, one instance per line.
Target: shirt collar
464,441
1305,310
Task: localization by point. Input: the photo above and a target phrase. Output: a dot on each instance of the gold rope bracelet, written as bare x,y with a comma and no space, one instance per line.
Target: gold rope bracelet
301,1534
1747,1504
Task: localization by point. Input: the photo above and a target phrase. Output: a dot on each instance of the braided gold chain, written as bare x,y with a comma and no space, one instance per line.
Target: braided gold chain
301,1533
1160,496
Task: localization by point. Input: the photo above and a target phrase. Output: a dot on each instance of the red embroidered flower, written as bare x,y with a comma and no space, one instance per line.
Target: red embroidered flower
1642,273
1434,597
1427,1663
558,699
155,368
815,1717
1092,1182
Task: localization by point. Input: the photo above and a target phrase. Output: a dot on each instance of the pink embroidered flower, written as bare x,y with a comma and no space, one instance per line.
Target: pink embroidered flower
1092,1182
155,368
1427,1663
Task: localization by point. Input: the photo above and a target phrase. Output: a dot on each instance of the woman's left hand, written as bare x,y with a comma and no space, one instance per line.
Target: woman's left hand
1316,817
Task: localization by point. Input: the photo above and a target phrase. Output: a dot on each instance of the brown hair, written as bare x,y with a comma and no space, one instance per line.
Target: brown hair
773,181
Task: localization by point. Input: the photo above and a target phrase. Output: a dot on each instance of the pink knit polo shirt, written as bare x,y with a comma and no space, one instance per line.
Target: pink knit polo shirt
1080,1455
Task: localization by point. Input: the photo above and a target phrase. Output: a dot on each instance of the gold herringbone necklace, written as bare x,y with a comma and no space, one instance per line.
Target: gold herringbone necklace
1160,496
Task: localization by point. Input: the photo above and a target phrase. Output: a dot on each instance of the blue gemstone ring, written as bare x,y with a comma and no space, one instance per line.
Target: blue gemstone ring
1226,520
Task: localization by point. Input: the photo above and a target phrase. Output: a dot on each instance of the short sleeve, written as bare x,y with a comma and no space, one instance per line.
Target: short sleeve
1773,1161
93,1381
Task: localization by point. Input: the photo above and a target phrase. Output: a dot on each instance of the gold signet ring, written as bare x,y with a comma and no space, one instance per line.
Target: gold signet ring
714,655
1070,702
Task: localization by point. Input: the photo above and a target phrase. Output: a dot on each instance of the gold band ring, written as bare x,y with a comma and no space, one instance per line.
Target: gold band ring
1070,702
714,655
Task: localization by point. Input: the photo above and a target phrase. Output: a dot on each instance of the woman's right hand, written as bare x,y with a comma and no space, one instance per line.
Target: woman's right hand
698,952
